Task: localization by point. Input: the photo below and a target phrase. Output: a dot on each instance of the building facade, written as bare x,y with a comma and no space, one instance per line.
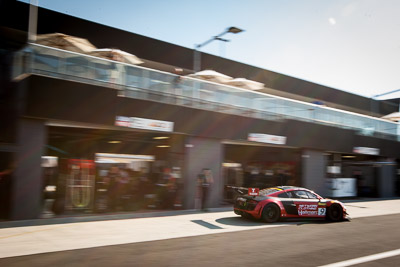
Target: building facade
68,119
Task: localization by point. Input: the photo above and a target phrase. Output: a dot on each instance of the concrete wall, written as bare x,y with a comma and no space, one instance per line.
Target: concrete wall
202,153
314,171
26,192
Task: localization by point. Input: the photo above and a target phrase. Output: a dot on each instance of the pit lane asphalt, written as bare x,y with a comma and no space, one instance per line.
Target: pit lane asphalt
300,244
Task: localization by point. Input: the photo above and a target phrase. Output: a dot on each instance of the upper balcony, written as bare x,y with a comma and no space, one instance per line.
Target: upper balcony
143,83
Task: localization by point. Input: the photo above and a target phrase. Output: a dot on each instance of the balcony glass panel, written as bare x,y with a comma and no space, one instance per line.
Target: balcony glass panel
77,66
46,62
134,76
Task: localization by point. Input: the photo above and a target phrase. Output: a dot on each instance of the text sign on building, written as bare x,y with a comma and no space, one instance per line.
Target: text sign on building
254,191
366,150
267,138
146,124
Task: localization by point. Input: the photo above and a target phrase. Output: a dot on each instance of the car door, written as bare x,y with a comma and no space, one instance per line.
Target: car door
288,203
306,203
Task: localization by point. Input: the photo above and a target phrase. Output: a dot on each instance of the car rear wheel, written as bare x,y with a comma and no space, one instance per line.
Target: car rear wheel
271,213
334,213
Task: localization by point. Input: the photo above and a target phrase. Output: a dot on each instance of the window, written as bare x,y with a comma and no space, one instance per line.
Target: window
284,195
102,71
133,76
311,195
76,66
300,194
46,62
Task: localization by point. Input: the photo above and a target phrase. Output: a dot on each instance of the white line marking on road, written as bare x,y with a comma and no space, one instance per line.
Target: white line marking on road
374,257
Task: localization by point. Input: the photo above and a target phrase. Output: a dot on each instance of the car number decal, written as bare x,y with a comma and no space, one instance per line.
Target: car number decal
321,211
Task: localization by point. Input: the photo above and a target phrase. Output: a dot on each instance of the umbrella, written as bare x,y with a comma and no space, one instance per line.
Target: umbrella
116,54
247,84
395,116
65,42
211,75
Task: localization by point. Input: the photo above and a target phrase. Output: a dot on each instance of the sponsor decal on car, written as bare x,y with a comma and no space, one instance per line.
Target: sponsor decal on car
278,189
306,209
254,191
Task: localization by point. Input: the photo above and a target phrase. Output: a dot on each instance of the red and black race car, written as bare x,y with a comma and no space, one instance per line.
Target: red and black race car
275,203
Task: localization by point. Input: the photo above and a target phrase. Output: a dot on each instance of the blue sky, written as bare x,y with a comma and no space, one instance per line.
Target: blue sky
351,45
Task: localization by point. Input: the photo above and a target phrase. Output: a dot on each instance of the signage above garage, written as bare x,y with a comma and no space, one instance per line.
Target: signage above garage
267,138
146,124
366,150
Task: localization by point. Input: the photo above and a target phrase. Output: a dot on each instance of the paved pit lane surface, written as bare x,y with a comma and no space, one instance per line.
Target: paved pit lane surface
19,241
302,244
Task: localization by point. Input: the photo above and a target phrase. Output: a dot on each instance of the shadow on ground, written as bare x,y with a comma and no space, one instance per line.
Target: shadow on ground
239,221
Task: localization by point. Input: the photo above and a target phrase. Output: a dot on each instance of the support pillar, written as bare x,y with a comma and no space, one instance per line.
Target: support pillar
314,171
26,190
387,180
203,153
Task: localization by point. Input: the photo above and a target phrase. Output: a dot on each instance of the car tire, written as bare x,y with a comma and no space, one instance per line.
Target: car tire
334,213
271,213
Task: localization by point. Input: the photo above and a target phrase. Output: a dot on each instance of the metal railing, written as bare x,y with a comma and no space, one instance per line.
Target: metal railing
143,83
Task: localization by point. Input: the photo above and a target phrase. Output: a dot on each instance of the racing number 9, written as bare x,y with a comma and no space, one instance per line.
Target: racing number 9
321,211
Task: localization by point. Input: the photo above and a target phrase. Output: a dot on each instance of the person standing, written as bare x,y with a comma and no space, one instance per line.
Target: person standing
112,191
176,86
177,79
205,180
171,191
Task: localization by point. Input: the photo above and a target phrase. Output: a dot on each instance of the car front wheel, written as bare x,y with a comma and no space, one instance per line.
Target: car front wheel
334,213
271,213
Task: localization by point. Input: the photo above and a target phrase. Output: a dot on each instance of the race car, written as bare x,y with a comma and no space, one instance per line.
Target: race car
276,203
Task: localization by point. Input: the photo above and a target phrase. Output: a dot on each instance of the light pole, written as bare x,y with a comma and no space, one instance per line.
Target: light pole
32,23
197,53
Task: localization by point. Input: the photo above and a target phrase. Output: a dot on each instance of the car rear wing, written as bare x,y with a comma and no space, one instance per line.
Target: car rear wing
240,190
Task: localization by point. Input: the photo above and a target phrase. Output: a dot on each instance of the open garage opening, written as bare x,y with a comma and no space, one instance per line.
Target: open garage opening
97,170
259,166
